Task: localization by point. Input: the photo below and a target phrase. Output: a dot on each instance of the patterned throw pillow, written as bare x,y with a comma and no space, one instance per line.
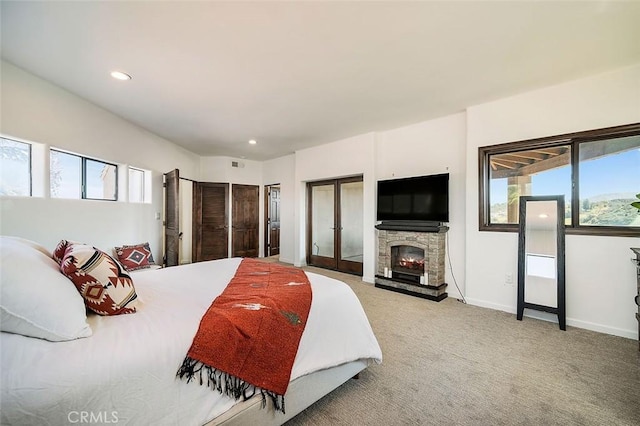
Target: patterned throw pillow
58,252
106,287
135,257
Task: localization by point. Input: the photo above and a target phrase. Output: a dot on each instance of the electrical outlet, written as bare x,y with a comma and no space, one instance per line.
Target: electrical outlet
508,279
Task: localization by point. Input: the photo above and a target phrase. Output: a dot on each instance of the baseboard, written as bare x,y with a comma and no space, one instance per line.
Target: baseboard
621,332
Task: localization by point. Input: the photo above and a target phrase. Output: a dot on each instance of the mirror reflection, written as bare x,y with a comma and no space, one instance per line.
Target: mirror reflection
541,253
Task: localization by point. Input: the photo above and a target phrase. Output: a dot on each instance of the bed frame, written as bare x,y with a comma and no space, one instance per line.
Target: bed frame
302,392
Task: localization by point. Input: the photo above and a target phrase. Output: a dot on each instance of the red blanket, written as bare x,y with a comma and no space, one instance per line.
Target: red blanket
248,338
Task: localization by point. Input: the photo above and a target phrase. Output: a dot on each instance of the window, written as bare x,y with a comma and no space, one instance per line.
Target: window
136,185
74,176
100,180
598,172
606,201
15,168
65,172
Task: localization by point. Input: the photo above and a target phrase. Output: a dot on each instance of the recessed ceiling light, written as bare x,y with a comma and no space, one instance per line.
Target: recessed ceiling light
119,75
252,142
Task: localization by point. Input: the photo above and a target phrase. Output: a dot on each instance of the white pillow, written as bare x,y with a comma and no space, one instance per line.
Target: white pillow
36,300
30,243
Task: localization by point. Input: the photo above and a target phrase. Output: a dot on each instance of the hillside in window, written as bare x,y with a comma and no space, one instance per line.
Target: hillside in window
609,210
600,210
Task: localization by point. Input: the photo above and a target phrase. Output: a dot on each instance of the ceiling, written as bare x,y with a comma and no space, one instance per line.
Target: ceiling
212,75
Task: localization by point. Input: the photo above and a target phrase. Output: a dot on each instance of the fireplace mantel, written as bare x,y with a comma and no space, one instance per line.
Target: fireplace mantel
411,225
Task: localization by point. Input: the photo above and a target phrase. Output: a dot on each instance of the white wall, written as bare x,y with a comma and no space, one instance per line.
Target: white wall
282,171
37,111
432,147
600,279
220,169
347,157
185,192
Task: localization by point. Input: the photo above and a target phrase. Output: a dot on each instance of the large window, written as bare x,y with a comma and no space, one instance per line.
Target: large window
15,168
74,176
598,172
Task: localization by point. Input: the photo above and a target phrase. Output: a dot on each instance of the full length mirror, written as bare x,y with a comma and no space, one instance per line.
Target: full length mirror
541,283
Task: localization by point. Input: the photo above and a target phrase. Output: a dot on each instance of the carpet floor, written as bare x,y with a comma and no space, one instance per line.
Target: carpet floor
450,363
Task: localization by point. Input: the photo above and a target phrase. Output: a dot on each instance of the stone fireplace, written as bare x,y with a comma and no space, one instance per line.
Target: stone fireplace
412,262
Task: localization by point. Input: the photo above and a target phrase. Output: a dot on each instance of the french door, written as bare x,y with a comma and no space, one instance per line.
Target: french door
334,224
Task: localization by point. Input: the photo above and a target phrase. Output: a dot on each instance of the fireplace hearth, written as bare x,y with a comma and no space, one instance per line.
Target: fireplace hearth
412,262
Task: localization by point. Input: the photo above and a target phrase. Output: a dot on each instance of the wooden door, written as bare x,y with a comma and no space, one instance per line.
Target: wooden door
210,221
245,220
171,218
272,222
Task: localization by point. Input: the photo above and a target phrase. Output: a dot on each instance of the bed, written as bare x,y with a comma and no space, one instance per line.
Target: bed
125,371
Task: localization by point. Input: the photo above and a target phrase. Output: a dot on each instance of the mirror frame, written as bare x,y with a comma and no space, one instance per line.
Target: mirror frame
560,310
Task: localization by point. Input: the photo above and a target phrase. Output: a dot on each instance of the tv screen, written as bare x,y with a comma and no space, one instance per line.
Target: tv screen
422,198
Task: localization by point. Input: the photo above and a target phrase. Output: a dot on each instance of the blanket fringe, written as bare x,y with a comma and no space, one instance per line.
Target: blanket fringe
226,384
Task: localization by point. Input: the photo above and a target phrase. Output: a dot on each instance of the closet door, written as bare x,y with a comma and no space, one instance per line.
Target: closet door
210,221
245,220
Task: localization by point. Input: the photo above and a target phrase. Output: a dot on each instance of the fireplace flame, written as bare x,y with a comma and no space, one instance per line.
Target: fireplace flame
411,263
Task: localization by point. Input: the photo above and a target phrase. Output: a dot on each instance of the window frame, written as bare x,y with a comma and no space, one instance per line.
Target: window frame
83,176
572,139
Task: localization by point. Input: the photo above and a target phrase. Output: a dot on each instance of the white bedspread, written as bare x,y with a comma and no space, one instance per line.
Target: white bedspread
126,372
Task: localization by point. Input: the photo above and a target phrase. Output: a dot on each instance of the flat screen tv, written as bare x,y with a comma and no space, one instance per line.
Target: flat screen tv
421,198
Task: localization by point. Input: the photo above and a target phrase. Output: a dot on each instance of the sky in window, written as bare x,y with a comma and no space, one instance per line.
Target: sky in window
613,174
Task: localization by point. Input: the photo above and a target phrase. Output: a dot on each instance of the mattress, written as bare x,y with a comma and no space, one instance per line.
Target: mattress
125,372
